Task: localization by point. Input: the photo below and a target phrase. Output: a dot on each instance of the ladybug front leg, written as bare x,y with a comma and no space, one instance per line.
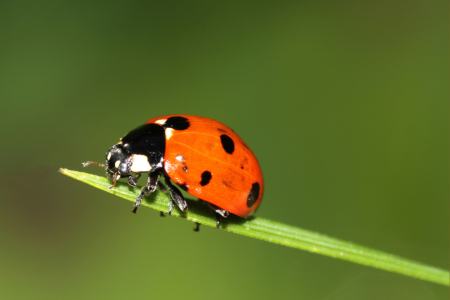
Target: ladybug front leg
152,182
175,196
133,180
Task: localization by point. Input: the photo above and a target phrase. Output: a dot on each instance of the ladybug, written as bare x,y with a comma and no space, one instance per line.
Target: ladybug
202,156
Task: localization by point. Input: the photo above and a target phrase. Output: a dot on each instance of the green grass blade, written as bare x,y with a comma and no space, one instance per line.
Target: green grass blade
274,232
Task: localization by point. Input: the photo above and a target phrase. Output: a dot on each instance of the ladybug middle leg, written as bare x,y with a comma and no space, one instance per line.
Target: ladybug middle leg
175,196
150,187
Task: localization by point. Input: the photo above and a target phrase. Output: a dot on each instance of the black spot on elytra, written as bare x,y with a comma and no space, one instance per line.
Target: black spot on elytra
206,177
227,143
184,187
242,167
253,195
177,123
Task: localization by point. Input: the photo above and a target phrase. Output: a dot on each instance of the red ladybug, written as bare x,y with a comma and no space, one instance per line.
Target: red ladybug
202,156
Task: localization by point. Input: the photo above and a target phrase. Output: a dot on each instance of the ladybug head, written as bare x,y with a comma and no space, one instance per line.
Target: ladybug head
118,162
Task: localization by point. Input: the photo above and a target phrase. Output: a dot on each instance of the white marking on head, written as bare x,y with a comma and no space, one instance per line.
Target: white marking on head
169,133
109,156
140,163
160,122
117,164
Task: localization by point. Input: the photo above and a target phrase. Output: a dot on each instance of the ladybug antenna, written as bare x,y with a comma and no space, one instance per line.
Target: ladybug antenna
115,178
85,164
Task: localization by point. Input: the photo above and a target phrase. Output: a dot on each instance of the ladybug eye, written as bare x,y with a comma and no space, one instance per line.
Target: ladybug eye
123,168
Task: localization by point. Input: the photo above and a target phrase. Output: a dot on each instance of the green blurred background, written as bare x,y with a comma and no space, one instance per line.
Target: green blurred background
344,103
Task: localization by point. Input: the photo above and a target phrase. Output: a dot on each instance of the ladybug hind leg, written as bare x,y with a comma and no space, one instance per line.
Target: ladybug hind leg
175,196
150,187
219,213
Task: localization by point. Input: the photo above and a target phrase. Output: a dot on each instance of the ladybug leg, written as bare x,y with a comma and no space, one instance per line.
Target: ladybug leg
197,227
219,213
171,205
217,220
162,188
175,196
152,182
133,181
